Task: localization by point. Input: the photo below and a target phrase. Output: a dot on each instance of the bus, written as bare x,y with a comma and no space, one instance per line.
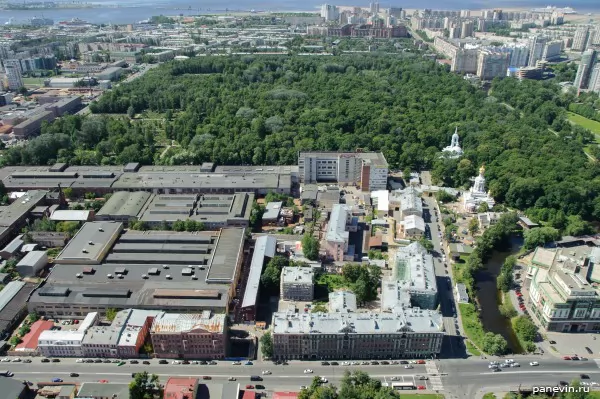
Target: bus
403,386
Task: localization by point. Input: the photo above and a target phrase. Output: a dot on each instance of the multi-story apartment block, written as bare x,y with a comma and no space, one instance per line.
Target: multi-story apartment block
588,62
368,170
123,338
329,12
56,343
337,237
491,64
563,292
414,282
14,77
347,335
580,39
189,336
594,84
407,201
297,283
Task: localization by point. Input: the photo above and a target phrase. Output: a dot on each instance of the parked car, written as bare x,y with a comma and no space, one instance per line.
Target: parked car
163,361
207,377
55,360
249,386
145,362
44,360
134,362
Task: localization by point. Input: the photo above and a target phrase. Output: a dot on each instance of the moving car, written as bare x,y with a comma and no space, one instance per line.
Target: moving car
266,372
74,375
421,387
534,364
308,371
27,361
408,366
145,362
133,362
44,360
395,378
496,370
323,379
79,361
207,377
163,361
584,376
231,379
103,381
324,363
57,380
249,363
236,363
55,360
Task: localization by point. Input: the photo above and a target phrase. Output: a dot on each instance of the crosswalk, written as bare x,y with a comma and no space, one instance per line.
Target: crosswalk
434,376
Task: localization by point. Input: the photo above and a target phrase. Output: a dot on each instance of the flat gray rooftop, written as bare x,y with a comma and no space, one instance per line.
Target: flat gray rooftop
13,212
125,203
90,243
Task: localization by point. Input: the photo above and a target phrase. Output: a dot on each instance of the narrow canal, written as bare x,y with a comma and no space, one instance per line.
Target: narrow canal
490,298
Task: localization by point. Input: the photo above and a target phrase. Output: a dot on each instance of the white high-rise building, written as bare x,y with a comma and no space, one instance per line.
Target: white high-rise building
15,79
491,64
594,84
330,12
583,78
519,55
580,39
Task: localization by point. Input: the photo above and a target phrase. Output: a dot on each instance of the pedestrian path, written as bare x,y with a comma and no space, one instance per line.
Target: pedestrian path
434,376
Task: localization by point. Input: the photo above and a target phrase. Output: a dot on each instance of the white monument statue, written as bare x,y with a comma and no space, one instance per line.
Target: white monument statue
453,150
477,194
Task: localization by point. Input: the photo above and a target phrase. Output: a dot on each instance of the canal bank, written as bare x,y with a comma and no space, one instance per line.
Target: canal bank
489,297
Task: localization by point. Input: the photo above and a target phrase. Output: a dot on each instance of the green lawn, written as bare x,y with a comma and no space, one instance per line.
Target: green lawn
421,395
592,125
33,81
472,349
471,324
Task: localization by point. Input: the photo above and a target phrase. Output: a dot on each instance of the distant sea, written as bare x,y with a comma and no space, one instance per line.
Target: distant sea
131,11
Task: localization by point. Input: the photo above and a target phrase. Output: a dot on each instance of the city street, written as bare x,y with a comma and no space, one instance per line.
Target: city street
453,346
457,378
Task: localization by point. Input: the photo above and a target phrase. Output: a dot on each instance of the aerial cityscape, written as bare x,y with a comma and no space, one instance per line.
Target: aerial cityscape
298,200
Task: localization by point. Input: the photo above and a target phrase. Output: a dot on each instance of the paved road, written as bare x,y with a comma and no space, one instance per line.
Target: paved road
289,377
458,378
453,345
466,378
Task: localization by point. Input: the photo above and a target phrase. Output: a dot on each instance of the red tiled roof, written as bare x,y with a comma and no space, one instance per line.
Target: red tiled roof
30,340
249,395
285,395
